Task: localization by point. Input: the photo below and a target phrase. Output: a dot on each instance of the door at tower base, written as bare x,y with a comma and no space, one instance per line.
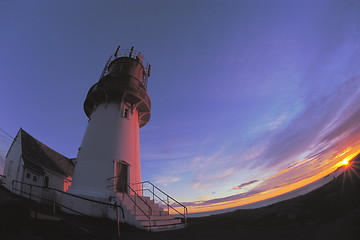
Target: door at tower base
121,178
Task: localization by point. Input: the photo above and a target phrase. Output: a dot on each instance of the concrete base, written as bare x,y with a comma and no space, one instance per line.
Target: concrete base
159,220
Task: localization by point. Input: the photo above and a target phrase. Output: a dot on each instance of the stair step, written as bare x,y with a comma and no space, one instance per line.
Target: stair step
141,204
160,222
146,211
166,228
160,219
154,217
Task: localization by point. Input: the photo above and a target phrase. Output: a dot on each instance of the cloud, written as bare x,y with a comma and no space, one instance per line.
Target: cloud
203,181
204,168
163,156
305,131
166,180
223,199
244,185
350,124
273,125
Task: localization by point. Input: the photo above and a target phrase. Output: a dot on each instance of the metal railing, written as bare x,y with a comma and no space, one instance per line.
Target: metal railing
131,53
30,194
136,196
166,199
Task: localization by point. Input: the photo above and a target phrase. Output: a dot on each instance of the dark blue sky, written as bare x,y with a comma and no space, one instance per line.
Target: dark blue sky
240,90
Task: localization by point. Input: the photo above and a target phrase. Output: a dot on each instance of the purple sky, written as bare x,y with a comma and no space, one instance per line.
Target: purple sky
240,90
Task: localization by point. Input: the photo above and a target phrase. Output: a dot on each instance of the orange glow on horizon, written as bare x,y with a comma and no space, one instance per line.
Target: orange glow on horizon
344,162
345,157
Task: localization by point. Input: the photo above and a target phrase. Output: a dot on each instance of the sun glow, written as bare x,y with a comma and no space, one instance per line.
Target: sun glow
344,162
342,159
347,159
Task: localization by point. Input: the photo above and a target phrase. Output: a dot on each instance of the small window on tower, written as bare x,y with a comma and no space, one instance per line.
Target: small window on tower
34,178
126,113
27,175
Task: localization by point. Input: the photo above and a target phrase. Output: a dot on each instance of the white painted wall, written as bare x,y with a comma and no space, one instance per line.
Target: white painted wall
55,181
13,165
109,137
14,170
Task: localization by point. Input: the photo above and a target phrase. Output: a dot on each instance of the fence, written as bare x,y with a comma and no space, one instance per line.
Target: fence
32,191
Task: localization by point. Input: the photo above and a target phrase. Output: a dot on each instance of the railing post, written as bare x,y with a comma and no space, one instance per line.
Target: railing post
150,211
185,218
142,188
168,205
153,193
117,219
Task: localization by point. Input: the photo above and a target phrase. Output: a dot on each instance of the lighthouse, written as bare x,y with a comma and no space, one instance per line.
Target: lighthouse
117,106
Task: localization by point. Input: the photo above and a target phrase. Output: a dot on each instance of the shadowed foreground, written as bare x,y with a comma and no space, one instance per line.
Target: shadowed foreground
330,212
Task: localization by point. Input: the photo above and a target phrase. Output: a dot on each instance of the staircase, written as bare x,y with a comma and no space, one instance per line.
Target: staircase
149,215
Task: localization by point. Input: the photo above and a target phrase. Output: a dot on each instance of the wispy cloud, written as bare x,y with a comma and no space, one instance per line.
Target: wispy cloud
166,180
210,169
241,186
277,122
305,130
223,199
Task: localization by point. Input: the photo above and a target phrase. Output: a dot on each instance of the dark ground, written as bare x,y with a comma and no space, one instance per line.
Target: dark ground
330,212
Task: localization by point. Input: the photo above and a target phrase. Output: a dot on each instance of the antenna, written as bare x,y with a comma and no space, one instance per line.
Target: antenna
131,51
117,51
149,68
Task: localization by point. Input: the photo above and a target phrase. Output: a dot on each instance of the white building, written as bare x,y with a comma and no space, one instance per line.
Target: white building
30,161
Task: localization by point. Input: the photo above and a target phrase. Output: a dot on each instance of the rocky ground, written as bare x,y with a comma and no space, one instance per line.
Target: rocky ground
330,212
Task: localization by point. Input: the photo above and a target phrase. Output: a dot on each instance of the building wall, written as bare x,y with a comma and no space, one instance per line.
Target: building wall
13,165
109,137
55,181
15,170
33,178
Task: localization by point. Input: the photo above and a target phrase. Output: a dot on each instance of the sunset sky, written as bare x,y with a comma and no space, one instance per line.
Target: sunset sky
250,99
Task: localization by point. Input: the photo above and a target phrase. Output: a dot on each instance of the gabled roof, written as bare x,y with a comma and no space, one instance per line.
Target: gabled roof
38,156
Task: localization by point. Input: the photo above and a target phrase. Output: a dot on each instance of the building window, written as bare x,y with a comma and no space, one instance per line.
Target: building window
27,175
126,113
46,181
67,183
34,178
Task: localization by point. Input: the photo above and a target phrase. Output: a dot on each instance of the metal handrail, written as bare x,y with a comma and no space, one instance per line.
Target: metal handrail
115,205
150,209
167,196
162,200
134,201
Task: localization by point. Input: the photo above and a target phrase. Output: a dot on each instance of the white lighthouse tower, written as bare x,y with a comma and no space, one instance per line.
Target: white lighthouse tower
107,170
117,106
